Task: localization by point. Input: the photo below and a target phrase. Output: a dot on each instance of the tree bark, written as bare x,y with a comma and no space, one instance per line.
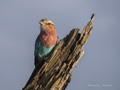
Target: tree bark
54,73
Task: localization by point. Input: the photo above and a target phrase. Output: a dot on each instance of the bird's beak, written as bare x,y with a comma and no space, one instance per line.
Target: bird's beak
41,23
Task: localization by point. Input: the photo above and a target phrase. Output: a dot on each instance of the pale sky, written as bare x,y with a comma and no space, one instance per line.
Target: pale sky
100,64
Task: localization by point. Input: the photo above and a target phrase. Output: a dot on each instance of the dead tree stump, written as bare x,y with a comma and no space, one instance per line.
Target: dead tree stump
55,72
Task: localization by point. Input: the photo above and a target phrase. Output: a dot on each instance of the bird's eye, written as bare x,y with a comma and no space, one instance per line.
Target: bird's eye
48,23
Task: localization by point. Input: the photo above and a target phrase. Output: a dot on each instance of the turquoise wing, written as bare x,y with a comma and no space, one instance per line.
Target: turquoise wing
37,46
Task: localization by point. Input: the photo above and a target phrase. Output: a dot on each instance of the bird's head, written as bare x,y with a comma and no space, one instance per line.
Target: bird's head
47,25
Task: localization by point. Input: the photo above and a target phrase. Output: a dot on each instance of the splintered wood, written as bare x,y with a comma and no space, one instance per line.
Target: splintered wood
55,71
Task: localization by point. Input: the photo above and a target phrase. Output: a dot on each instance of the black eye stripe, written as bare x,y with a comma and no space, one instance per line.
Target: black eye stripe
48,24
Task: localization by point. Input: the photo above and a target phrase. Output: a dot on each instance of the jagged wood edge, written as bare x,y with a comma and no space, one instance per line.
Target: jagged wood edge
55,74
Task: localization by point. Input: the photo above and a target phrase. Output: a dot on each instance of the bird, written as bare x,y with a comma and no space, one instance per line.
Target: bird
46,40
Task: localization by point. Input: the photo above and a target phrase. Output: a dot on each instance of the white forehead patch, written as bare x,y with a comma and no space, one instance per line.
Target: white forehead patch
49,21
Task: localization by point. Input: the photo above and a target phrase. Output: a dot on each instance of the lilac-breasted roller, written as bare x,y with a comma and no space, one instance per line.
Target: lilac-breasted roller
46,40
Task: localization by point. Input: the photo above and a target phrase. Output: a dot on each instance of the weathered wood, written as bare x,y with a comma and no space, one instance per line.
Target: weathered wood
54,73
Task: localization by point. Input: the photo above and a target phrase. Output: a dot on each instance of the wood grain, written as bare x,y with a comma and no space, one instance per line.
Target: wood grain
54,73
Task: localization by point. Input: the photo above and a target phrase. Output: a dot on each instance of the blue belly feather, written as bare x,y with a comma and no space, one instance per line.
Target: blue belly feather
44,51
41,51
